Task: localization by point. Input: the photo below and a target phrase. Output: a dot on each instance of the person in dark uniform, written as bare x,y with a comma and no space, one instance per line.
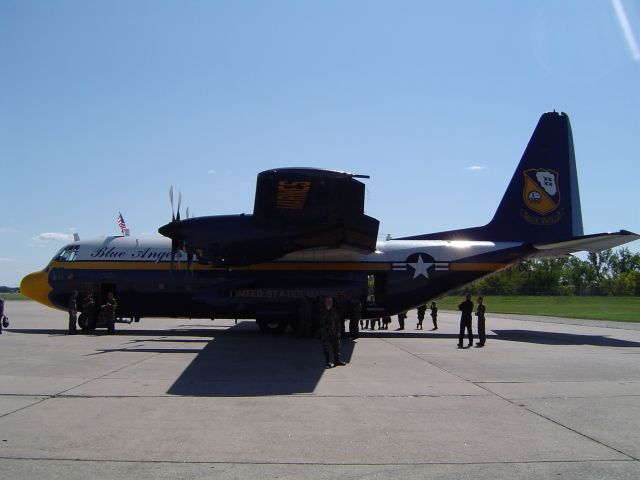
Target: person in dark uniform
1,314
480,314
373,323
434,315
402,316
88,307
422,309
330,333
466,309
109,312
73,312
340,306
355,318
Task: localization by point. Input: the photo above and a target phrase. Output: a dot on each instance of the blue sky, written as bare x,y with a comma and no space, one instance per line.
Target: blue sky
105,104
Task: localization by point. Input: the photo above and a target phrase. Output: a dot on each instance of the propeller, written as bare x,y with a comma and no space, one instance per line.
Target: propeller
179,202
173,217
171,230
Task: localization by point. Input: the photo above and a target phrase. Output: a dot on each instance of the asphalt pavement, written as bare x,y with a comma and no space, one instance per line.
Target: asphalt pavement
179,398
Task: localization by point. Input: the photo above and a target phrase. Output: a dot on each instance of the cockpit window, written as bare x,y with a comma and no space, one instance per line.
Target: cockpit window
67,254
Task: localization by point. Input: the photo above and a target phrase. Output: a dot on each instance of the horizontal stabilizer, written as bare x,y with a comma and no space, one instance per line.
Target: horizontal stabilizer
588,243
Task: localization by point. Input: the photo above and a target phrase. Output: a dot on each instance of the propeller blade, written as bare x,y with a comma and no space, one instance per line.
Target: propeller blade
179,202
173,217
187,213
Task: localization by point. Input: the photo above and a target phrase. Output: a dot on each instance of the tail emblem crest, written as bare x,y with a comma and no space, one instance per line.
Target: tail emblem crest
541,190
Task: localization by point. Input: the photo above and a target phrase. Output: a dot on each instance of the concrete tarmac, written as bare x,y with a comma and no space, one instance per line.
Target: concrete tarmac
175,398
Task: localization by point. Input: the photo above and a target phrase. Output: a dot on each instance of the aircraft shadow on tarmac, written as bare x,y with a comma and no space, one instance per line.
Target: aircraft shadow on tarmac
239,361
255,364
556,338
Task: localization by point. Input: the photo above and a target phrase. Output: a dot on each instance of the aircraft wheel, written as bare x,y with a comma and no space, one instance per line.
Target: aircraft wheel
83,322
272,326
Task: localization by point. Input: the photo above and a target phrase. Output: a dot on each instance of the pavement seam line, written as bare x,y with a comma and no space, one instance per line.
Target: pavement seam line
310,464
61,394
491,392
556,422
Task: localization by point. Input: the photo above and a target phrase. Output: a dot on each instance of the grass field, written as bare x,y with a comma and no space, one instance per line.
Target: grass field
621,309
12,296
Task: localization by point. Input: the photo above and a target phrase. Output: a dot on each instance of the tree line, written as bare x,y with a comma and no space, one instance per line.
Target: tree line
604,273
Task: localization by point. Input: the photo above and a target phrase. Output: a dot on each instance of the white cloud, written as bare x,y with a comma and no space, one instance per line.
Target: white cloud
211,172
475,167
5,259
623,20
45,238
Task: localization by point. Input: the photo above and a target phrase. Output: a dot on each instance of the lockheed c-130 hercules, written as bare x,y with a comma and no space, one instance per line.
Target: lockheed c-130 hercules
308,236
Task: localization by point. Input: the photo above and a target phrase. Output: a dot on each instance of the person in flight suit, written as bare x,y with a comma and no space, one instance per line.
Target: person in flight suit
73,312
88,307
330,333
402,316
422,309
434,315
109,312
480,314
355,318
2,317
466,309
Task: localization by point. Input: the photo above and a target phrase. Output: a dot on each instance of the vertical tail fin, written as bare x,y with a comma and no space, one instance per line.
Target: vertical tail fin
542,202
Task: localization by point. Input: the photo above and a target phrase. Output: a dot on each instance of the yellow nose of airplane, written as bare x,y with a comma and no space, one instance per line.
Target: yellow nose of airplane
36,287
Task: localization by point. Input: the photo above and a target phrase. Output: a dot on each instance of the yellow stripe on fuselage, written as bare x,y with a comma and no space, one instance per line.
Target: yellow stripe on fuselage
259,267
265,267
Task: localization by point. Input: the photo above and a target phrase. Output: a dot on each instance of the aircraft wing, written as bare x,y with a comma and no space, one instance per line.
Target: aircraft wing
589,243
295,209
325,206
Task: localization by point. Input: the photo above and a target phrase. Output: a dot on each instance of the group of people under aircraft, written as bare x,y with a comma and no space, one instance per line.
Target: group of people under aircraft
330,320
106,314
383,322
324,317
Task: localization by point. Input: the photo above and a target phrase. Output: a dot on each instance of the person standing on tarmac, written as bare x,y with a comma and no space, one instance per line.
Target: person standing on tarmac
422,309
434,315
355,318
1,313
88,307
402,316
466,309
109,312
73,312
480,314
330,333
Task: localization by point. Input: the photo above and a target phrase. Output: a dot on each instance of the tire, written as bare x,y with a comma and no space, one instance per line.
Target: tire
83,322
